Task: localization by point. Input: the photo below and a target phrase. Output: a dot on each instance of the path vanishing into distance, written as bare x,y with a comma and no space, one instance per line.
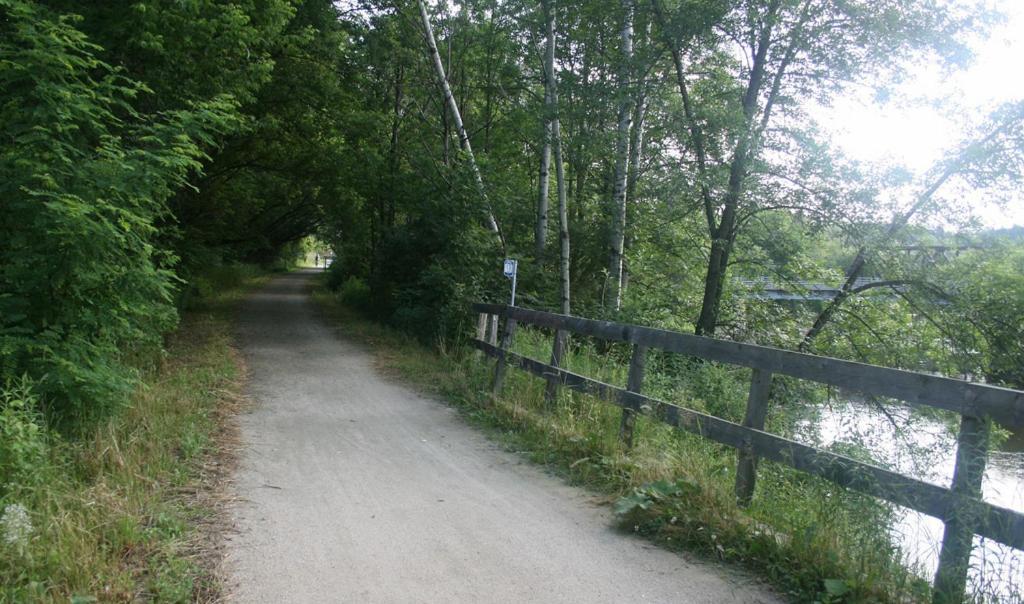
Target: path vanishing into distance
354,488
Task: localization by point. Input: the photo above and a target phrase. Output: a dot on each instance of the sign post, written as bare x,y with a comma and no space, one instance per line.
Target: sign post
511,266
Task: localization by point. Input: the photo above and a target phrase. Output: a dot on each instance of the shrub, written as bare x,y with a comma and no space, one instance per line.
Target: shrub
84,181
355,292
336,276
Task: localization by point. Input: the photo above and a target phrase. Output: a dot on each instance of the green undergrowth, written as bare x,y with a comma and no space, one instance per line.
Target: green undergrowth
125,509
812,541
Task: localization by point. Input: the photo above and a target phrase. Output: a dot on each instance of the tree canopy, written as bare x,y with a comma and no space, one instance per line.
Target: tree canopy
649,161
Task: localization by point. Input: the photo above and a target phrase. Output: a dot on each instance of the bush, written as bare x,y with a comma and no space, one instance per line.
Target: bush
211,280
355,292
84,180
336,276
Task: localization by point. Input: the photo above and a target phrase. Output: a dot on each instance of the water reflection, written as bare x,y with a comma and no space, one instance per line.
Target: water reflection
925,448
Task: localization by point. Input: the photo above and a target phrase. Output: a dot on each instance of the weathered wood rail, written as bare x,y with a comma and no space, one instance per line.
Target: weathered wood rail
960,506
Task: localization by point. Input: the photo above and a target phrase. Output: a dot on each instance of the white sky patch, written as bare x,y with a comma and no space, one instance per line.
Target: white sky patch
912,131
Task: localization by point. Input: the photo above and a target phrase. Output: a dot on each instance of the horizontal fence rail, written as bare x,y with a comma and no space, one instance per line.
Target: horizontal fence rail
960,507
966,398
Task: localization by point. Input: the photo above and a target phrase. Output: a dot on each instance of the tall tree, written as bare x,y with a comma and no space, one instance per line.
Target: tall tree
552,111
460,128
792,51
556,136
543,177
622,156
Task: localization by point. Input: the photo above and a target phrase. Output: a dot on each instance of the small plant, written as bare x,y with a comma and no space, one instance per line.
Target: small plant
23,445
16,526
835,590
661,491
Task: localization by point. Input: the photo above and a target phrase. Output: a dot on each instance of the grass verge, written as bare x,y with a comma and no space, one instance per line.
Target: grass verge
131,509
812,541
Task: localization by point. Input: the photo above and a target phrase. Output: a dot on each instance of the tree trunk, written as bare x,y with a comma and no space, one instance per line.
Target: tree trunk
563,220
459,126
856,268
384,219
636,143
618,230
541,228
853,272
724,235
556,140
719,229
714,286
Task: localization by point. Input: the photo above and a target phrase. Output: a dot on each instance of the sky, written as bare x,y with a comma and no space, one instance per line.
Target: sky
915,134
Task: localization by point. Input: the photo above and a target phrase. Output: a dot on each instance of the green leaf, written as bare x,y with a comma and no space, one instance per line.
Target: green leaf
836,587
627,504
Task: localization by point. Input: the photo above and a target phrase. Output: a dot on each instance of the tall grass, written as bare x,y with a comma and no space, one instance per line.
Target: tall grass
115,512
813,541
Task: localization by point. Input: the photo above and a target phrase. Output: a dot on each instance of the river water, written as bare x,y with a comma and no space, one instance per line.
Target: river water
925,448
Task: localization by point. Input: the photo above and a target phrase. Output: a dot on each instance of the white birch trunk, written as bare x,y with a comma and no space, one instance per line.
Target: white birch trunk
551,93
457,119
541,227
618,230
540,234
563,217
556,141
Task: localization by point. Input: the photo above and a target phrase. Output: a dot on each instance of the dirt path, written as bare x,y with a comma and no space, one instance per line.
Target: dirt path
356,489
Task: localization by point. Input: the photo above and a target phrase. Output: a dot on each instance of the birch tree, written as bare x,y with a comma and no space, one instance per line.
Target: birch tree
551,98
541,228
622,155
460,128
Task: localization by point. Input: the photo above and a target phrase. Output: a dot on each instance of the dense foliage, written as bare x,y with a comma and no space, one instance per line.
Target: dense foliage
85,180
141,146
692,149
656,162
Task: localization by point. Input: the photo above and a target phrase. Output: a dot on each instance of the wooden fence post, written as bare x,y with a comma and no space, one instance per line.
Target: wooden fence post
500,365
481,332
634,383
557,351
962,517
493,338
757,410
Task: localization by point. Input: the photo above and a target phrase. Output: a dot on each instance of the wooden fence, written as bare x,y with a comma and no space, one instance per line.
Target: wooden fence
960,506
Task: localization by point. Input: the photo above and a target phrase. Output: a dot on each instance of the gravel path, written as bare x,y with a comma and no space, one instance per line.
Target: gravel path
354,488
